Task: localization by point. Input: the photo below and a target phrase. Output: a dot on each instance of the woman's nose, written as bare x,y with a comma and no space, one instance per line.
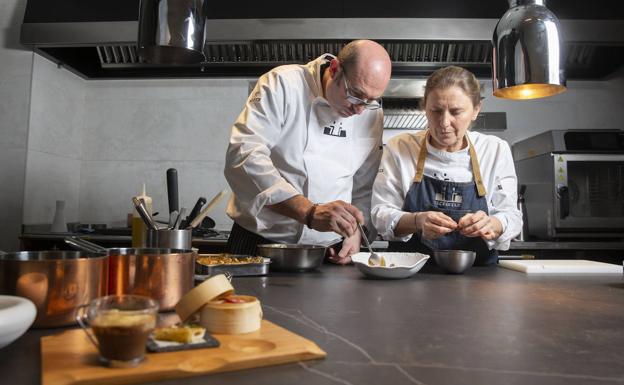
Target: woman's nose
445,119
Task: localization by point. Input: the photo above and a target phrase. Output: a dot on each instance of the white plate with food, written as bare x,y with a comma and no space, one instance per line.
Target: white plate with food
397,265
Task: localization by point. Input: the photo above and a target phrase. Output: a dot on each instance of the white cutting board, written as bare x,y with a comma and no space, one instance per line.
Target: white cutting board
561,266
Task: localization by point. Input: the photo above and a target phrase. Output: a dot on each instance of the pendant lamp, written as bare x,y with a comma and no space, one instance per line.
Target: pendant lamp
171,31
526,61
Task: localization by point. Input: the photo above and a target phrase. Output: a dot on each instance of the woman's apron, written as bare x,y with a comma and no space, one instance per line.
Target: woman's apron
451,198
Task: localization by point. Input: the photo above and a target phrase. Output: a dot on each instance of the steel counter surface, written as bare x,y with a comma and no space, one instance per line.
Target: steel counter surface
488,326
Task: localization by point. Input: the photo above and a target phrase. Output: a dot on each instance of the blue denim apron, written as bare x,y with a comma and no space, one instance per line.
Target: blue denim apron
454,199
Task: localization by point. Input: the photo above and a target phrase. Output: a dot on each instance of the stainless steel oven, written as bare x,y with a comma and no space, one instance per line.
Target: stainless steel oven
574,183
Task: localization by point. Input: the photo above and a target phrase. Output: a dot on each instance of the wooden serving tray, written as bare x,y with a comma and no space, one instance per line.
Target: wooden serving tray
69,358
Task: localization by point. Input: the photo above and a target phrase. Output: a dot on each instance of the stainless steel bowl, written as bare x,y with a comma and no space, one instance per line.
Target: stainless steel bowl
454,261
291,257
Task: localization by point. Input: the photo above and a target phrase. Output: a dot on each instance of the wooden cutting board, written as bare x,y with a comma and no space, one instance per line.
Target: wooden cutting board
69,357
561,266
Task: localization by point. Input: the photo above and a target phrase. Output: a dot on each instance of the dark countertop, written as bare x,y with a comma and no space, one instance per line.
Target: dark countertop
488,326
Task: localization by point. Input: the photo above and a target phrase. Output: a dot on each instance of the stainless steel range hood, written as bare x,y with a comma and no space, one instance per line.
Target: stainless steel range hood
249,47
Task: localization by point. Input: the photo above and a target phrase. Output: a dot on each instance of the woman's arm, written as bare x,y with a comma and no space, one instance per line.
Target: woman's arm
389,189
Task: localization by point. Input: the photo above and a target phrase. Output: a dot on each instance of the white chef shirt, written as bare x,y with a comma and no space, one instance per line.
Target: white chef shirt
289,141
398,168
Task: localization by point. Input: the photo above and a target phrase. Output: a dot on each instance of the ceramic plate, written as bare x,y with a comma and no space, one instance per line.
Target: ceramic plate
398,265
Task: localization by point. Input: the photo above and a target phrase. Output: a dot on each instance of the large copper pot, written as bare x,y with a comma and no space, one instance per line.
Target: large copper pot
164,275
57,282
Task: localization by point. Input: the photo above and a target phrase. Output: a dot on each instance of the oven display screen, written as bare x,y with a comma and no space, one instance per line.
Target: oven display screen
594,141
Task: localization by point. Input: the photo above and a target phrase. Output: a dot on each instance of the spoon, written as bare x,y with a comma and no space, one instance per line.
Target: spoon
374,259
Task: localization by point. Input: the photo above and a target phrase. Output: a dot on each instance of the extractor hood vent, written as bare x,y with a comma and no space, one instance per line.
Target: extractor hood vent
284,51
112,56
405,113
278,52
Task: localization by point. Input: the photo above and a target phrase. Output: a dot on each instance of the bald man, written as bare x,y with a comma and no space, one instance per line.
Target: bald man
304,152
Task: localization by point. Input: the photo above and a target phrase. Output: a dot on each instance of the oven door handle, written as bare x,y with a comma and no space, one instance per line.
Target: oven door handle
563,193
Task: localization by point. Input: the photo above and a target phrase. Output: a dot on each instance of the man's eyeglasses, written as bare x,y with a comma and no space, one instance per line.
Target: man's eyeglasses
369,105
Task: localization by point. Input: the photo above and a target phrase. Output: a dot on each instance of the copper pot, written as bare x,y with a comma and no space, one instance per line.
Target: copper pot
57,282
164,275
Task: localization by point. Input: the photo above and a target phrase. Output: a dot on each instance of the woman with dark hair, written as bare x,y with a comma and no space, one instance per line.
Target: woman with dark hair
448,187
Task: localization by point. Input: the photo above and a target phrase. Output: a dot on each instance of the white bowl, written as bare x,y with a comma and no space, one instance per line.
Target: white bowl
398,265
16,316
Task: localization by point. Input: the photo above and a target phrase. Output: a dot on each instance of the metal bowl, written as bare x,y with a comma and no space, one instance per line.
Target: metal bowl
291,257
454,261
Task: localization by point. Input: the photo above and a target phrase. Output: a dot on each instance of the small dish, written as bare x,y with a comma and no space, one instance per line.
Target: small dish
398,265
454,261
16,316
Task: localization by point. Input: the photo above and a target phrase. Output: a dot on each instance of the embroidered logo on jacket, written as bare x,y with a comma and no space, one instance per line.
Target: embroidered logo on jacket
335,130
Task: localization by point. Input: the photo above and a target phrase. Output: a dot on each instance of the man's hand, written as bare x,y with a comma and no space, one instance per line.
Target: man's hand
434,224
480,224
350,246
337,216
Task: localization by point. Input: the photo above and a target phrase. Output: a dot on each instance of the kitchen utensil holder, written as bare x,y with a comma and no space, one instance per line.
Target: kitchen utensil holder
169,239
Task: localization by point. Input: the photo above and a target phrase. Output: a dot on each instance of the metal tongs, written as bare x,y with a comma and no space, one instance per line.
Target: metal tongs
374,259
144,214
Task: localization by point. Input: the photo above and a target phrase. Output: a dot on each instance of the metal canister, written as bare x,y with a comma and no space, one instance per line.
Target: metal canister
169,239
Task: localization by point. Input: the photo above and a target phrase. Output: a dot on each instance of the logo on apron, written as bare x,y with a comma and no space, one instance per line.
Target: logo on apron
449,198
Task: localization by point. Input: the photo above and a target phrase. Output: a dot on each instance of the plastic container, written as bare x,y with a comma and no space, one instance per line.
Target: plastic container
139,229
59,224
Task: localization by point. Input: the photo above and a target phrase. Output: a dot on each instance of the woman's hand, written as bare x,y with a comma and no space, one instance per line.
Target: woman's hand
434,224
480,224
350,246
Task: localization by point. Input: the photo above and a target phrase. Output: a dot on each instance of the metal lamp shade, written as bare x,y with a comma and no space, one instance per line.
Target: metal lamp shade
526,62
172,31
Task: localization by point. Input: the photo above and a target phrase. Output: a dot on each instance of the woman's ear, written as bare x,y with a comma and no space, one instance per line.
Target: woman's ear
334,66
477,109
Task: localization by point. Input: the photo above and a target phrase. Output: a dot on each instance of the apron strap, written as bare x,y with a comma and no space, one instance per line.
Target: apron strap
420,166
476,171
474,162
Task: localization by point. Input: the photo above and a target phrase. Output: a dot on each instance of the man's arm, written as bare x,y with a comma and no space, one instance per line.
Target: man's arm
249,169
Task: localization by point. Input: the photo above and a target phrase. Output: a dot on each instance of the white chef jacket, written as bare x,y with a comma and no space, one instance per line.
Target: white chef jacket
289,141
398,168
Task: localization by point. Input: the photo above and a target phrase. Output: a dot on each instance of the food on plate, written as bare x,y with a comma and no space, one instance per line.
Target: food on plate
224,259
382,262
234,299
184,334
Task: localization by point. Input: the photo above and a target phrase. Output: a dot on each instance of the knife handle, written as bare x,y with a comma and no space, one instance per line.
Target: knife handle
172,189
200,202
